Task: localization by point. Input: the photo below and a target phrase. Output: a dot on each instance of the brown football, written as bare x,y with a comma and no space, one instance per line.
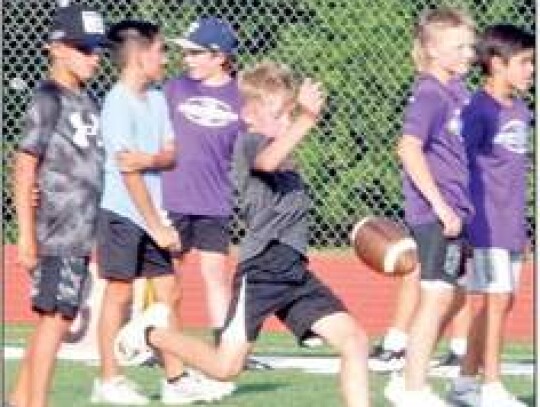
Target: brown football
384,246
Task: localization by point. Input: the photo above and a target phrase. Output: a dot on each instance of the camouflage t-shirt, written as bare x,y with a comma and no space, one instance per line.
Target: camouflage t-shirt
62,131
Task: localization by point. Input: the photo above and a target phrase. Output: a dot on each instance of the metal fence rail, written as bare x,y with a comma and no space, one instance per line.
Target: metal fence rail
358,48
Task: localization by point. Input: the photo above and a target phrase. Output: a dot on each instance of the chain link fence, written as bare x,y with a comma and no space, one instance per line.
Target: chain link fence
359,49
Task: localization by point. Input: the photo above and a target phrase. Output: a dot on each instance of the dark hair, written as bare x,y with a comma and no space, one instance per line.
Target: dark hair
128,33
503,41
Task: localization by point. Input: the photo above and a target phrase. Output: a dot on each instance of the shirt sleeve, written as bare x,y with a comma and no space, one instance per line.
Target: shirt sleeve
474,129
424,115
168,131
40,122
116,125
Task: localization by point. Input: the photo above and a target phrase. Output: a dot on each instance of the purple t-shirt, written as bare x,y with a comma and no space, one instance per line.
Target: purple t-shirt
496,137
434,116
206,121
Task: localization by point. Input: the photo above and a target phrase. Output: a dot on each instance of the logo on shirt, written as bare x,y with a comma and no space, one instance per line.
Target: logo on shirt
207,112
455,124
84,128
513,136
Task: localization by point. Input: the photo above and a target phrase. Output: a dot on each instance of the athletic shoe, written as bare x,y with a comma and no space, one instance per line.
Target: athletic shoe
117,391
311,341
451,359
398,396
421,398
498,396
187,390
215,389
254,364
384,361
464,397
448,365
130,345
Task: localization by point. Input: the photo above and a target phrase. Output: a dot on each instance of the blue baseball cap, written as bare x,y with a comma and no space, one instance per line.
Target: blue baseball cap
79,25
209,34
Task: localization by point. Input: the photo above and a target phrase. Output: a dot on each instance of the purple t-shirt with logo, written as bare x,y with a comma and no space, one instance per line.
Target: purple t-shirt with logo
433,115
206,122
496,137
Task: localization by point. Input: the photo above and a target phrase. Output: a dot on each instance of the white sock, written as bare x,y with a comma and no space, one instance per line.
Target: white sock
458,346
395,340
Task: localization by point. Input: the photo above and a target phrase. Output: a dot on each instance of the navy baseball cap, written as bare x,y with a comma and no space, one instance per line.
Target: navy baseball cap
208,34
78,25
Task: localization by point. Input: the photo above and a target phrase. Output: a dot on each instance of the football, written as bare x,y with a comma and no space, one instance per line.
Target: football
384,246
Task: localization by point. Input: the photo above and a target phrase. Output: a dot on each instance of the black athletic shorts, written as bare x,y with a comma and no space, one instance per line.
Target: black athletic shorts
125,251
277,282
207,233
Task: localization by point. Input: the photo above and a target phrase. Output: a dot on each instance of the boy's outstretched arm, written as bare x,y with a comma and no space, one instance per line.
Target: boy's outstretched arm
414,162
24,189
310,100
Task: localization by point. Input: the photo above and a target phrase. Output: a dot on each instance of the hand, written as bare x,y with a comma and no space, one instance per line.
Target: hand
27,254
310,98
452,223
166,237
133,161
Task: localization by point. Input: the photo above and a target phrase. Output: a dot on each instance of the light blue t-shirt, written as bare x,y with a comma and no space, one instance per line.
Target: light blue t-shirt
132,122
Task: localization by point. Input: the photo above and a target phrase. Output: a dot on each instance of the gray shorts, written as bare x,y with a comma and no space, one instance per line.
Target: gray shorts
58,284
494,270
440,257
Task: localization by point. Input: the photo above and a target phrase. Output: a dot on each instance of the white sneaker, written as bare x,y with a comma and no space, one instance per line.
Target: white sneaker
398,396
216,388
494,394
117,391
193,388
130,347
420,398
467,396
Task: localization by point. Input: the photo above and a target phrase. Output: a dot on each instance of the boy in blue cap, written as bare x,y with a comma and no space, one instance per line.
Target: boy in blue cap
62,153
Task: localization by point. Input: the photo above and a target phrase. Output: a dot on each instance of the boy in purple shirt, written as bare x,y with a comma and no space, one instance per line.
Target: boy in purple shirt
496,128
435,186
204,106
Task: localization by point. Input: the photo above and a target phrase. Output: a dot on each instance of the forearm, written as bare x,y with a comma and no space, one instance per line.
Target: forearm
163,160
141,198
24,183
415,165
270,158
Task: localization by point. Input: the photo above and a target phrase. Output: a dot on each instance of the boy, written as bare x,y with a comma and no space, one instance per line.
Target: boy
272,277
61,152
435,182
133,237
496,129
204,105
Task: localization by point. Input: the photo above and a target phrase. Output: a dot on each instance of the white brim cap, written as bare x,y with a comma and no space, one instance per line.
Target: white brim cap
186,44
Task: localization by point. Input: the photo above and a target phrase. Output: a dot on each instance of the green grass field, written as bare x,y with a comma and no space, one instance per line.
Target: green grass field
275,388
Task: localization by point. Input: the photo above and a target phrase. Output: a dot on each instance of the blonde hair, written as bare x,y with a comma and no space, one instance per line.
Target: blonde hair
433,21
264,78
